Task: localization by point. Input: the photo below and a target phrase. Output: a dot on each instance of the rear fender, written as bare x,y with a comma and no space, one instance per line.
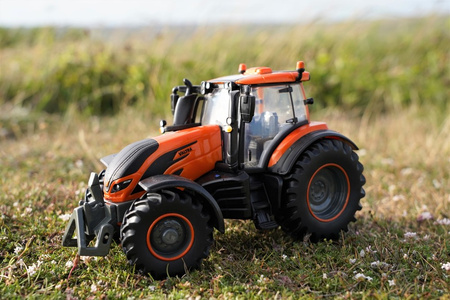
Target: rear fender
291,155
159,182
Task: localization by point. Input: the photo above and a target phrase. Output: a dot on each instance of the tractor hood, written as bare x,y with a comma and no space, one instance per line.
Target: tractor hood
129,160
189,153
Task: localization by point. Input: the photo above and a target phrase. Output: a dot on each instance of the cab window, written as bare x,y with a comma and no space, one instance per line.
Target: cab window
276,108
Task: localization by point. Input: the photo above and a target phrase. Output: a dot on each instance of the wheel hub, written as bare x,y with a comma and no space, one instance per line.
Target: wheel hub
318,191
168,235
328,192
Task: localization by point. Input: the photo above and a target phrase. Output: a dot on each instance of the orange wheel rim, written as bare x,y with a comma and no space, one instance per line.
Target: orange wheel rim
187,226
343,177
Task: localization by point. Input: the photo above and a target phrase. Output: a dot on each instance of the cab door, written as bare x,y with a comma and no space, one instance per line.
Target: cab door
278,110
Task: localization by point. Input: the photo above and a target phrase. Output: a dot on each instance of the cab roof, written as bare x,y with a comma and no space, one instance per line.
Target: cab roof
264,75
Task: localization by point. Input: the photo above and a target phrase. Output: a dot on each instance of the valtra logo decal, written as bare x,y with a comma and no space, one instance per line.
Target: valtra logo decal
184,152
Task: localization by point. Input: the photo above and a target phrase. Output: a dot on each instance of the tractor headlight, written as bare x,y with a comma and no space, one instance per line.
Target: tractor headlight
120,186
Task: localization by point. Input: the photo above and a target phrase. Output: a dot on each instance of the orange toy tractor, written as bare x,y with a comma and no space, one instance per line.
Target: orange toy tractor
240,147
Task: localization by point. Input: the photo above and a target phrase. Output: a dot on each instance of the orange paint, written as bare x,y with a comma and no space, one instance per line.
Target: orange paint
195,160
261,78
292,138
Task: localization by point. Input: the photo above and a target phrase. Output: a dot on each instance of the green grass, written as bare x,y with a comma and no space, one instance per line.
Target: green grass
45,170
382,84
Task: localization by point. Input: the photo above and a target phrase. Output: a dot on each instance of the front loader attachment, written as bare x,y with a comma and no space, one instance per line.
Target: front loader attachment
92,219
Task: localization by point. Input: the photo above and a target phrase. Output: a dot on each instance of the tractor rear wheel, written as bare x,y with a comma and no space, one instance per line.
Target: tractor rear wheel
166,234
322,192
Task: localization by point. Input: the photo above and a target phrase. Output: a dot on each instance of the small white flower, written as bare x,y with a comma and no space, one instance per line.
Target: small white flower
93,288
69,264
446,266
324,276
426,215
437,184
352,260
362,253
410,235
405,256
444,221
65,217
152,288
18,249
32,270
362,277
391,282
379,264
284,256
407,171
398,198
369,250
375,264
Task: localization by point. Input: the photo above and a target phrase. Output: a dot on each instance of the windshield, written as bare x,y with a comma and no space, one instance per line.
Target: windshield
216,107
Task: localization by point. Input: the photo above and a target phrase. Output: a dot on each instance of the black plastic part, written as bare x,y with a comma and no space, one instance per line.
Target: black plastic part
308,101
230,139
322,192
173,101
129,160
274,188
184,110
262,210
160,182
170,246
288,159
93,219
76,225
181,127
188,86
247,103
107,159
231,192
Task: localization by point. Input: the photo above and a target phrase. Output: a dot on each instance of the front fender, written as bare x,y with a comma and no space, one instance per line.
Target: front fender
159,182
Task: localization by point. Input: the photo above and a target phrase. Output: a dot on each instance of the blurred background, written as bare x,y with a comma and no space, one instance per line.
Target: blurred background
99,57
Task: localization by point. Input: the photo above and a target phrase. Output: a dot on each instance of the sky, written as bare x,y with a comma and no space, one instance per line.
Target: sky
18,13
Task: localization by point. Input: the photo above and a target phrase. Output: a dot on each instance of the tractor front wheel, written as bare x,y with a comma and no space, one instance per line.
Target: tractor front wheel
166,234
322,192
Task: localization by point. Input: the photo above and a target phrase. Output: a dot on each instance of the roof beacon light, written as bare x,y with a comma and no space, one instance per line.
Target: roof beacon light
300,69
242,68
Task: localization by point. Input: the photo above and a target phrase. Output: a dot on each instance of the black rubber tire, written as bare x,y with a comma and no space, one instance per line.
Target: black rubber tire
322,192
166,234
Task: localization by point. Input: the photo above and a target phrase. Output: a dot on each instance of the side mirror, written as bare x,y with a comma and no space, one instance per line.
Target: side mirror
247,103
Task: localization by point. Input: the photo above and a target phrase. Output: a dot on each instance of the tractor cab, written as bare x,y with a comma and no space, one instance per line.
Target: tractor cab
254,113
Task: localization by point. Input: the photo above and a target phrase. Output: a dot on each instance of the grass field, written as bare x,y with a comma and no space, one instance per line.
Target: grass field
399,247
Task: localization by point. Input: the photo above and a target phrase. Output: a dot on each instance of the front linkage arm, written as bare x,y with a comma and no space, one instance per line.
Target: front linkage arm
89,220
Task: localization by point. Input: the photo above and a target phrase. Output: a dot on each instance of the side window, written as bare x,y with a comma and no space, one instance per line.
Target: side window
216,107
273,111
199,110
